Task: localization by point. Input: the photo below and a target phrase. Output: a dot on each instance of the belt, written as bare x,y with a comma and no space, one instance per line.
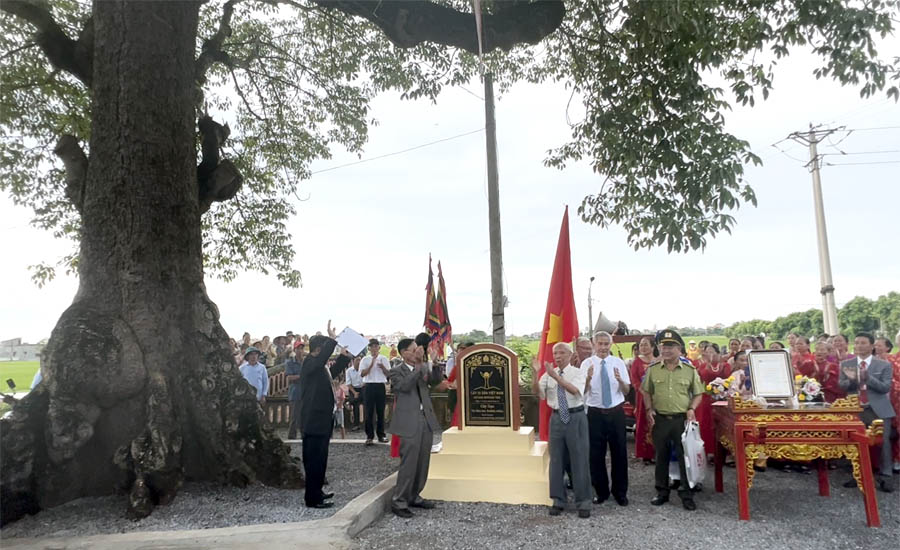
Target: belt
610,410
676,415
573,409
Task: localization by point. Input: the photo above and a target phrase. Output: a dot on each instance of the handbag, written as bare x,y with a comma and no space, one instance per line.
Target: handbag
694,454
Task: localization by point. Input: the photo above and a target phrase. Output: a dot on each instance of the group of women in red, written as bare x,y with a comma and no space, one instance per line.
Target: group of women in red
823,364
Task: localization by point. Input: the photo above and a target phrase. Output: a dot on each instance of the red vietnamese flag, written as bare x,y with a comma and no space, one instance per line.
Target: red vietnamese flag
560,320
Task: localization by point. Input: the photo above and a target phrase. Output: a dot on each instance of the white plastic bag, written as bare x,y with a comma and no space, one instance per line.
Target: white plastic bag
694,455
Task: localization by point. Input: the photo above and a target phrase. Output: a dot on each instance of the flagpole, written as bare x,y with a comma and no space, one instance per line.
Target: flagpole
498,320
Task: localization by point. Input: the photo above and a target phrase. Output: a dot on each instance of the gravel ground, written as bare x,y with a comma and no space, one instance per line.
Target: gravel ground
206,505
786,512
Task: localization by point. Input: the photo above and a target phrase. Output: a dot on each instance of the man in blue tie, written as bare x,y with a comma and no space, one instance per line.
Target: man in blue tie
605,388
562,386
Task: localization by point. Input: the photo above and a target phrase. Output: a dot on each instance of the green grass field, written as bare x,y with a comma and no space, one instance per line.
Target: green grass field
22,372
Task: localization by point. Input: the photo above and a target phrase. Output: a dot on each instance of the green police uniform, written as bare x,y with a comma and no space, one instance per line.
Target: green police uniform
671,393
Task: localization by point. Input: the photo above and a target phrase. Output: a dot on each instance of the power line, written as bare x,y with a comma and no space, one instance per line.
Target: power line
862,163
860,153
397,152
874,128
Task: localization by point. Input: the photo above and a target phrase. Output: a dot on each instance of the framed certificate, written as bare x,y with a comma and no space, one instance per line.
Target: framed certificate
771,374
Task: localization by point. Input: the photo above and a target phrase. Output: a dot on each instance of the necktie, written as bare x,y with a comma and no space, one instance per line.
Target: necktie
863,395
605,390
562,404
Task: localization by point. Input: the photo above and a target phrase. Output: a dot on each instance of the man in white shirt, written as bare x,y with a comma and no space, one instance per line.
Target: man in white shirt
562,387
374,369
356,387
255,374
607,384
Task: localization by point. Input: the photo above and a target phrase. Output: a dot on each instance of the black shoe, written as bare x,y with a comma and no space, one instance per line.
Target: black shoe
555,511
424,504
850,484
676,483
321,505
598,500
326,496
584,513
698,488
688,504
659,500
884,485
369,443
622,501
382,440
649,461
402,513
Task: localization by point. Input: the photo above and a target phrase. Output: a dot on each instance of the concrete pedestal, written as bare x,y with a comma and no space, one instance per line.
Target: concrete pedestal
481,464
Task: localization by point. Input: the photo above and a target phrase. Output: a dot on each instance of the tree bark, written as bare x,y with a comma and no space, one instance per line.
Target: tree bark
140,390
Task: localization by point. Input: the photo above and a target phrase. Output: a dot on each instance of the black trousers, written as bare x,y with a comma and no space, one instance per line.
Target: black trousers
374,400
315,462
607,431
294,426
667,436
452,398
356,407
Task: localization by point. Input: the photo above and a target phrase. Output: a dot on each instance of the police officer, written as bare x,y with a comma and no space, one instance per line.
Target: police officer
672,391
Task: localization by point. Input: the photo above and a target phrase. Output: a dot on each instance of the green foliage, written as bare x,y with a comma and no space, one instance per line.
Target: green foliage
859,314
475,336
654,127
295,79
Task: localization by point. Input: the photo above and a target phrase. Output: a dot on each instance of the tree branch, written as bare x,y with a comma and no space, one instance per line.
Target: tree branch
64,53
76,163
211,51
409,23
216,181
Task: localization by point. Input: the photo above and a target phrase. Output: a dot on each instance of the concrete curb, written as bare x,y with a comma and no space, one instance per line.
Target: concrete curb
334,532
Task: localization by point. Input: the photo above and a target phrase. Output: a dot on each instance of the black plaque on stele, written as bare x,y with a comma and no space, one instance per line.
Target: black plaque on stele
488,391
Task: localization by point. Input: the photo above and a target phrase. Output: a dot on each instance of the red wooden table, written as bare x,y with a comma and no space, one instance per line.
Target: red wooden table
805,434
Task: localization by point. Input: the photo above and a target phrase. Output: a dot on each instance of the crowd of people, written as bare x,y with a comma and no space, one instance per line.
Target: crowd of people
588,389
322,384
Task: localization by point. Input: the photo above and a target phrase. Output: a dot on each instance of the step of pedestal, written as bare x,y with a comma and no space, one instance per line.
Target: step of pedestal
484,440
508,491
533,465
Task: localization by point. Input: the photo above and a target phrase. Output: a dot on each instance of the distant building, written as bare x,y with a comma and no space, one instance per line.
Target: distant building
15,350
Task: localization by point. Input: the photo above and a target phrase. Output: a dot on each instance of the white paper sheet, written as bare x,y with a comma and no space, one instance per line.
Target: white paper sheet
353,341
771,374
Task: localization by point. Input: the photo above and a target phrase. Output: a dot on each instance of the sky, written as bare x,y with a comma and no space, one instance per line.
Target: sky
364,234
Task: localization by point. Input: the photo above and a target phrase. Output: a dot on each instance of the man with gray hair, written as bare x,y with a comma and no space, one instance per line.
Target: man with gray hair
562,386
606,385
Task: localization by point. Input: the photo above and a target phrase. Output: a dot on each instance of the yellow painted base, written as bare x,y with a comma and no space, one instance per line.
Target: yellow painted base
480,464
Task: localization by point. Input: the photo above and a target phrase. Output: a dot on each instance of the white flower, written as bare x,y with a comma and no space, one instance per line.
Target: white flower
812,388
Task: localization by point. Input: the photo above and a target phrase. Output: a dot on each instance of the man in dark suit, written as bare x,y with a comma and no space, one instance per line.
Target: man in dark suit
414,422
871,377
316,417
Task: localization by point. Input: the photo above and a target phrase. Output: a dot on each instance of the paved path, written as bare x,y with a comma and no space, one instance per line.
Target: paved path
332,533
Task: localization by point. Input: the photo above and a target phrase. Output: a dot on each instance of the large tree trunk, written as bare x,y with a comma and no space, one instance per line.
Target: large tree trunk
140,390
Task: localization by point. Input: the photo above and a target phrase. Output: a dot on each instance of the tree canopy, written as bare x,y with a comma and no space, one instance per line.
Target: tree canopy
881,316
295,78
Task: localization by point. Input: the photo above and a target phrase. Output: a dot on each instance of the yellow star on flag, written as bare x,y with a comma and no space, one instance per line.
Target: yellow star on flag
555,332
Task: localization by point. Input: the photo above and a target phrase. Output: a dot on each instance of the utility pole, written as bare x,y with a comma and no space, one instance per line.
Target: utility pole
590,331
829,311
498,304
